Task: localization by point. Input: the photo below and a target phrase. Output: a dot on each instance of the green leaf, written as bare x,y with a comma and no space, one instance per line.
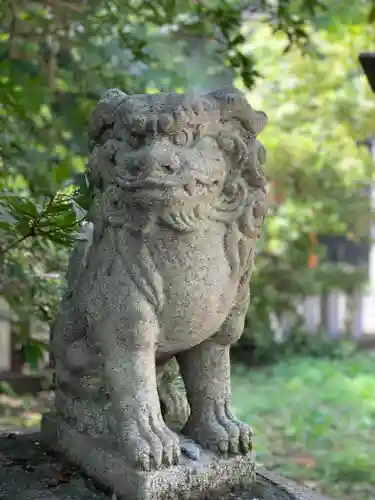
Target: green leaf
34,351
23,227
21,207
65,240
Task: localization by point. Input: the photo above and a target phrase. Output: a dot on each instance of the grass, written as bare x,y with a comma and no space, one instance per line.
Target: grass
314,421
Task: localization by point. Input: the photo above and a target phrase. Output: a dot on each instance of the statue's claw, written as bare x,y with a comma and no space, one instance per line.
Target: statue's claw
217,430
149,444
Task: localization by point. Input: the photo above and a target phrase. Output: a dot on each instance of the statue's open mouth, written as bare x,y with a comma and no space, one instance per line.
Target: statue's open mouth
198,187
194,187
134,183
184,202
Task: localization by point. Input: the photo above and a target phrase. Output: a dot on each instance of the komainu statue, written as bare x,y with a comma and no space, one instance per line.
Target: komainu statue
178,201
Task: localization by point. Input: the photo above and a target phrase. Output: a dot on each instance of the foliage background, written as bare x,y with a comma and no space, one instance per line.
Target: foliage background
319,105
57,57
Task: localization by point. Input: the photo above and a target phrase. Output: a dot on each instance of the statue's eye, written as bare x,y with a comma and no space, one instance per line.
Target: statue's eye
180,138
227,144
168,169
134,141
200,132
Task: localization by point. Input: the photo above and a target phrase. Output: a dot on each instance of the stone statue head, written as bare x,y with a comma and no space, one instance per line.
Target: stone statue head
184,157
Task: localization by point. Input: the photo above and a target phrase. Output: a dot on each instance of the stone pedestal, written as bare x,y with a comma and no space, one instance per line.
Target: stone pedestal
190,479
27,472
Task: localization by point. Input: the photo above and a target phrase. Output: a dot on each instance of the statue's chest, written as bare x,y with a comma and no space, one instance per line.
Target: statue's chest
204,284
194,266
199,290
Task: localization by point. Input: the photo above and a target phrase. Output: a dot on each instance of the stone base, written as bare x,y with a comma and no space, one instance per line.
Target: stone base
191,479
28,473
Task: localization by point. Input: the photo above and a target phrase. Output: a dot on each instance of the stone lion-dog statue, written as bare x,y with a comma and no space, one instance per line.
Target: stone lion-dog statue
178,201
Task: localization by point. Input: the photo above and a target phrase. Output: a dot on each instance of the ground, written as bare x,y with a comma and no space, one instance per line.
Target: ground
313,420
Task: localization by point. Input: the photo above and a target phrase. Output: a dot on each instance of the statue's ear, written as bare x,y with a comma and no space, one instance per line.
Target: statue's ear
234,105
104,114
113,94
257,121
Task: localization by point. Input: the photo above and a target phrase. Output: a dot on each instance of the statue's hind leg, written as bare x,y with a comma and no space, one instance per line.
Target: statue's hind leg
172,394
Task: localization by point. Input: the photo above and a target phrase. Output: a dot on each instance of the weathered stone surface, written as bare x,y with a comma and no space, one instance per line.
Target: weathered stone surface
29,473
178,203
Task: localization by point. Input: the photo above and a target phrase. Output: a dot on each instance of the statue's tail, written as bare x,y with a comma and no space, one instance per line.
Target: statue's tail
78,258
77,263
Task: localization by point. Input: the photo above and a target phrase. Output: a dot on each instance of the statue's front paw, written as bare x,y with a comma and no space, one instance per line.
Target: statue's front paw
217,430
149,444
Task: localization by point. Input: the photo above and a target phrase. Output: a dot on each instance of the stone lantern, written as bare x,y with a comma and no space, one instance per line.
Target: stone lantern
367,60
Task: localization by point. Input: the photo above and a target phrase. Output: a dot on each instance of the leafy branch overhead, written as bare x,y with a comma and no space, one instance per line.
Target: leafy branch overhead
57,57
55,218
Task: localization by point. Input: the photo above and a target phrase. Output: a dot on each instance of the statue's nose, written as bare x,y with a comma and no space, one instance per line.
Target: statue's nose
189,184
189,188
169,168
171,163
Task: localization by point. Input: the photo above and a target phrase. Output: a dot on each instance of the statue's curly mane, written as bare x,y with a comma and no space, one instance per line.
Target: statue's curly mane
120,175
